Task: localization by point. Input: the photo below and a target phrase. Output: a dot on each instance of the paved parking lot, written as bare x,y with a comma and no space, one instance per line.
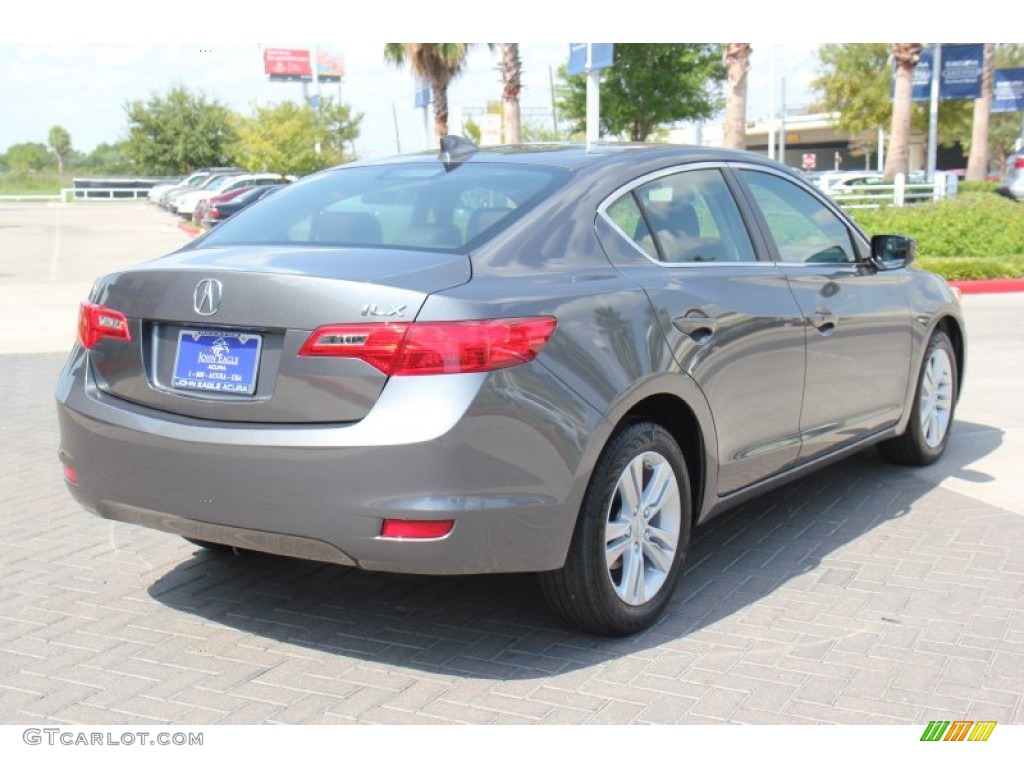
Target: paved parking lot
864,594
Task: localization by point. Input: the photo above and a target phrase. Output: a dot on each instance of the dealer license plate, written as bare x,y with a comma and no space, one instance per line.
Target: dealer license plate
217,361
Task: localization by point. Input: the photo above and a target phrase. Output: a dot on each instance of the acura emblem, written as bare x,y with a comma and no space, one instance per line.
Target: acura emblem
207,297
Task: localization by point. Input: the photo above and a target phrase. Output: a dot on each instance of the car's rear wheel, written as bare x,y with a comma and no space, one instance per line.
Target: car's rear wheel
631,537
930,423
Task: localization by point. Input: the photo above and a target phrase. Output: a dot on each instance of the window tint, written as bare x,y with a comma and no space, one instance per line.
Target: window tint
804,230
626,214
686,217
414,205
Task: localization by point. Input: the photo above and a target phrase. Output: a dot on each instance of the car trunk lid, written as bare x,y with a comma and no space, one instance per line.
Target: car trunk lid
215,333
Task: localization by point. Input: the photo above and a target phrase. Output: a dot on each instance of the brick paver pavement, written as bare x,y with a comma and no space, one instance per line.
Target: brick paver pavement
860,595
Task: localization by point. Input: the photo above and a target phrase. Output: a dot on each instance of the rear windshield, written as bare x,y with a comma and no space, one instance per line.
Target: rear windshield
409,205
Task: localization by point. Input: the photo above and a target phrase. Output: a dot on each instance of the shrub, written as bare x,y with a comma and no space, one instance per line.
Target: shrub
974,235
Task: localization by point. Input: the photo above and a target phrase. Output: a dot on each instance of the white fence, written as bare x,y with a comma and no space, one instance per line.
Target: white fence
899,193
77,193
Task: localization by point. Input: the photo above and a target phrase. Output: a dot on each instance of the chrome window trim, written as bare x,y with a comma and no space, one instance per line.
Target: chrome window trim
602,210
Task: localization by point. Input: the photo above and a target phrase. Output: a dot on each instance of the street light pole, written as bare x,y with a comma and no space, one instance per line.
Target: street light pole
933,110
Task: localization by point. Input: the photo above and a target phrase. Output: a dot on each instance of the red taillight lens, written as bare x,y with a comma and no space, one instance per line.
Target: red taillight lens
419,349
1019,162
96,322
416,529
70,475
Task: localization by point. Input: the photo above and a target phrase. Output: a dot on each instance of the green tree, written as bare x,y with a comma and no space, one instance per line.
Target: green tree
179,132
648,85
29,157
855,83
108,159
60,142
283,137
437,64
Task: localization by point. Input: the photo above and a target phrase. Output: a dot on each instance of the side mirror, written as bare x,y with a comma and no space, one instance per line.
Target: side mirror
892,251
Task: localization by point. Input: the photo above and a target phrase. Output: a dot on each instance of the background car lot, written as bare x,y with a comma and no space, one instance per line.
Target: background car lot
864,594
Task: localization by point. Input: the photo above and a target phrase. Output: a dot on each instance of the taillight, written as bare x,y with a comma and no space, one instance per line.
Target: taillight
96,322
419,349
212,212
1018,162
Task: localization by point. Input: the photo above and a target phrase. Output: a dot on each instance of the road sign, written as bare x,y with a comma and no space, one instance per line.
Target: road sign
809,161
601,55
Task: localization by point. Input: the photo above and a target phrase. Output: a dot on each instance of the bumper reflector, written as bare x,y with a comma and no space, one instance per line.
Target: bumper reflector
70,475
416,529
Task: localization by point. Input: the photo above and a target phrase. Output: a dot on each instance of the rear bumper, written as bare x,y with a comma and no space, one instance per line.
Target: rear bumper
507,470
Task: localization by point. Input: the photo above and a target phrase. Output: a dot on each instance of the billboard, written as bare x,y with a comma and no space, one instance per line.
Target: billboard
295,64
330,68
286,64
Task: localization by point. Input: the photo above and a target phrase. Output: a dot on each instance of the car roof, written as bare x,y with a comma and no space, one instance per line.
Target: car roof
574,156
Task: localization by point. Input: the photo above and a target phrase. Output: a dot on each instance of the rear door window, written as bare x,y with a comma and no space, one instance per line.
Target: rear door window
685,217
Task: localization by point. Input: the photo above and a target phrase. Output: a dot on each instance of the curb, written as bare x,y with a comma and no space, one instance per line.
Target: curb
188,229
988,286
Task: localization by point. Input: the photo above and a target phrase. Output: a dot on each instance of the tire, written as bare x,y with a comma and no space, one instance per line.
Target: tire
625,559
931,422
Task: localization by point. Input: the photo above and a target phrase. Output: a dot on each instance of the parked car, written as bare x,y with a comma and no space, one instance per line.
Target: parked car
159,191
166,200
1012,184
203,204
222,207
841,182
185,204
539,359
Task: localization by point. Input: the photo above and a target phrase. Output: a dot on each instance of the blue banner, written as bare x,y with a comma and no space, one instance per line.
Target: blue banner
962,67
1008,90
601,55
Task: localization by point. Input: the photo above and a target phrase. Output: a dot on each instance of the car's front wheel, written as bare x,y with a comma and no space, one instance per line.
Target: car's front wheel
631,537
934,403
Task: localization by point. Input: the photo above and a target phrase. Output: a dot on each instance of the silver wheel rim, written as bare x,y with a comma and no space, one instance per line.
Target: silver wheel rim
642,529
936,406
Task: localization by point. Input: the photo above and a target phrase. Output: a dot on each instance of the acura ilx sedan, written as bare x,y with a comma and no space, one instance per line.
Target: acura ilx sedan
521,359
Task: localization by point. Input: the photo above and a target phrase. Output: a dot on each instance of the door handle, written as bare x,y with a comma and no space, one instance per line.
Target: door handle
699,327
824,321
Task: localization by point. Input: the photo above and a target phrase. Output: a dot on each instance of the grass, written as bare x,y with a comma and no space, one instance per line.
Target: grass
33,183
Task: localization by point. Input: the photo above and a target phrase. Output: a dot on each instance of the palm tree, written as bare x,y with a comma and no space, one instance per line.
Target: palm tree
737,64
437,64
906,56
512,82
977,160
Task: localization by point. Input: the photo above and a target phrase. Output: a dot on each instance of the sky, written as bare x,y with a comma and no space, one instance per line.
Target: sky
84,86
66,71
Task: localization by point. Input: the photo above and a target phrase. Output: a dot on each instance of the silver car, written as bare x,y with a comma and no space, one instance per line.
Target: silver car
541,359
1012,184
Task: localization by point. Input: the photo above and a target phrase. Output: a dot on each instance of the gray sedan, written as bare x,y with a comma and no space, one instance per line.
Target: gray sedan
541,359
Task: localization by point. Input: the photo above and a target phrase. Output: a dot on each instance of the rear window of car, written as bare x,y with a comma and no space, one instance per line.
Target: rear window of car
409,205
